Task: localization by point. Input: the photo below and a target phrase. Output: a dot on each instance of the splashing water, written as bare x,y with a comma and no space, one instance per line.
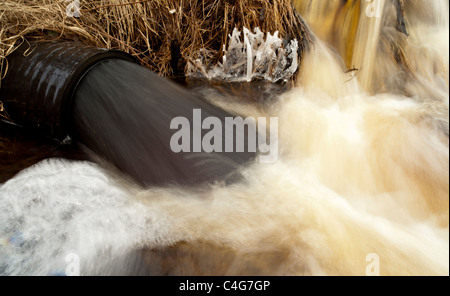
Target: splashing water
363,170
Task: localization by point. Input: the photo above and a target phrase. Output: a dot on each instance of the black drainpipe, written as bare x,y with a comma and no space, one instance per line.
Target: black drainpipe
38,90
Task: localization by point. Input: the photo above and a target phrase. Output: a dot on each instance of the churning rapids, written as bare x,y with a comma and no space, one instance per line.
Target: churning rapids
363,173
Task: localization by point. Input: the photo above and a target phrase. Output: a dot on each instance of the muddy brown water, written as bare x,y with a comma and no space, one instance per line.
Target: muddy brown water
20,149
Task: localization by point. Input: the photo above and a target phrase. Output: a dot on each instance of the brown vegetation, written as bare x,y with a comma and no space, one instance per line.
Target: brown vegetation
163,34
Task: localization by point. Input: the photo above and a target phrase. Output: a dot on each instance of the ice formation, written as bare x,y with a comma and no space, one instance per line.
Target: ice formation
254,57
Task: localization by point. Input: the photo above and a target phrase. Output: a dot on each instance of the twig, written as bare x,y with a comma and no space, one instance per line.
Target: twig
115,5
351,70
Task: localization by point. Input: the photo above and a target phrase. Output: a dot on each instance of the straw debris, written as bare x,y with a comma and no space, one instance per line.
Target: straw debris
164,35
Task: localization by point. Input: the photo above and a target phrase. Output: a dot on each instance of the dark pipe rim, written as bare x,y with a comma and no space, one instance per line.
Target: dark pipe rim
77,77
42,87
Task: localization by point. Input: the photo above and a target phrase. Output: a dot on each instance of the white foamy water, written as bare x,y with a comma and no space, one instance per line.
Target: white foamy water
362,170
58,208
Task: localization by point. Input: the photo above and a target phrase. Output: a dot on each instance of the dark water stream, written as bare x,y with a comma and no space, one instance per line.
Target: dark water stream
124,112
20,149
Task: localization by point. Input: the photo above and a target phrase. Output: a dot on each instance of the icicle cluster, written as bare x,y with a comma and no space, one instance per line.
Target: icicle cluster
270,59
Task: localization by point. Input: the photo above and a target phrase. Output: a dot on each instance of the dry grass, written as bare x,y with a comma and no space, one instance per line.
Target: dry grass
163,34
